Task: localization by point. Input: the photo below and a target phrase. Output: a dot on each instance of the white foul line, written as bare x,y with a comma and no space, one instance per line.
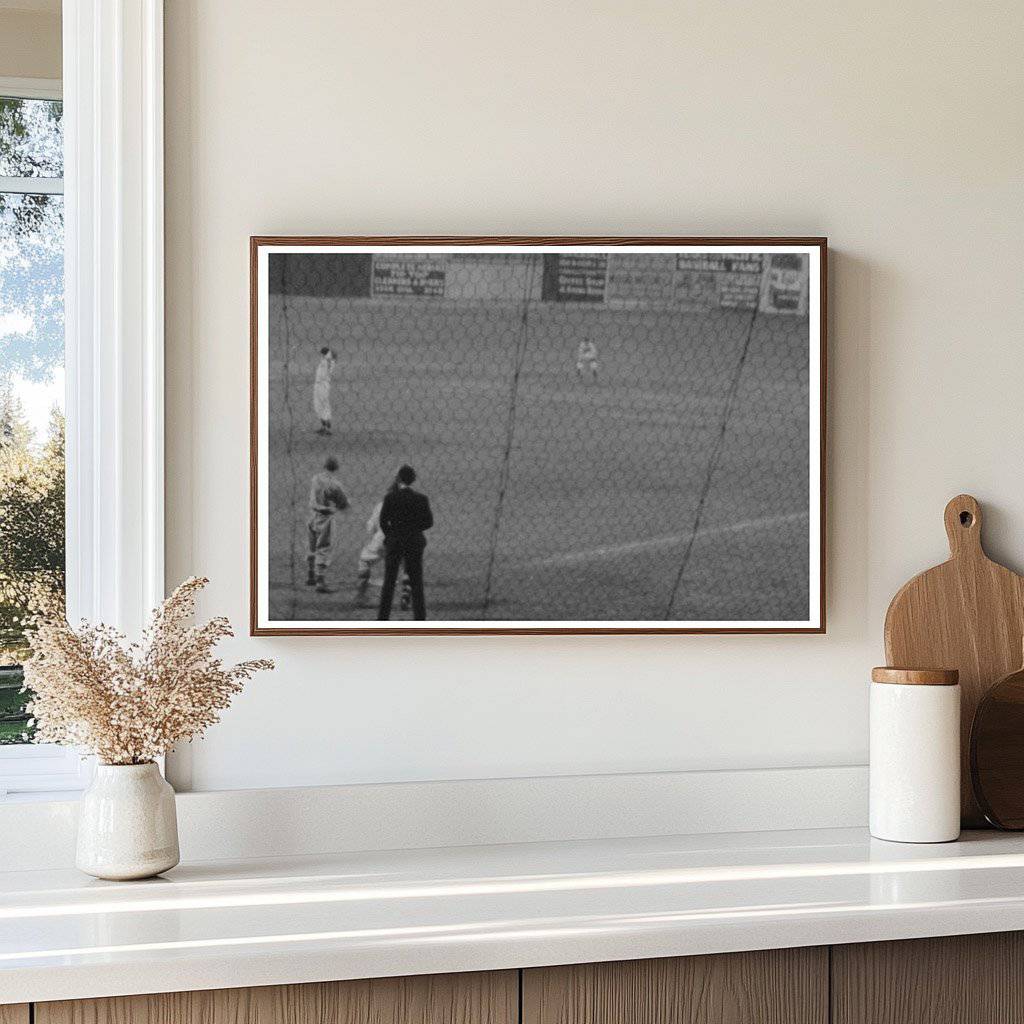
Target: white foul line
611,550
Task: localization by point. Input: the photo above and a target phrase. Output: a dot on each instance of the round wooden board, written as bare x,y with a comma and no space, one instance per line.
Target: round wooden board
997,753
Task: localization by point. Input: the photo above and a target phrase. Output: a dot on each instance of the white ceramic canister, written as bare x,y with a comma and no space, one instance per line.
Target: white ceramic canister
915,755
127,825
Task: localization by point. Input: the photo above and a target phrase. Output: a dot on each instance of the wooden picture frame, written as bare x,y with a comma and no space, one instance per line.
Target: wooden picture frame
707,276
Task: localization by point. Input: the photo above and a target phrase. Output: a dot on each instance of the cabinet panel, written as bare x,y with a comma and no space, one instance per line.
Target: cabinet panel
962,979
479,998
779,986
14,1013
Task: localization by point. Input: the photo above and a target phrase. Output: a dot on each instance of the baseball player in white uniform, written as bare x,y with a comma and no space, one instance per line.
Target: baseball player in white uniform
372,554
586,359
372,551
326,499
322,390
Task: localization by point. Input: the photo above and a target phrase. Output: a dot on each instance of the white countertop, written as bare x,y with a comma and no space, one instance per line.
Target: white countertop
272,921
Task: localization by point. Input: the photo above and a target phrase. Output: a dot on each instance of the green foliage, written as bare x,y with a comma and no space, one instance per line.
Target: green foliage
31,517
14,724
31,522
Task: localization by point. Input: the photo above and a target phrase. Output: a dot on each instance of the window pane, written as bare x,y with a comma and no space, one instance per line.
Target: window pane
31,138
31,430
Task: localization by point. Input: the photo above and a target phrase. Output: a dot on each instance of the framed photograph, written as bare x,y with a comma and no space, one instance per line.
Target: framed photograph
537,435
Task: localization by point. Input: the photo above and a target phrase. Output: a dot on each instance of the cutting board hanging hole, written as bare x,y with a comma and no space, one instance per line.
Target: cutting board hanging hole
963,526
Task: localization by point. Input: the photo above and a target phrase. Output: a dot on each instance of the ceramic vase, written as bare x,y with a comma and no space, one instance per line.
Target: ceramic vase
127,826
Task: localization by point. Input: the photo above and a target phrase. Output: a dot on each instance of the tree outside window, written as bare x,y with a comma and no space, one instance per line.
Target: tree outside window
31,385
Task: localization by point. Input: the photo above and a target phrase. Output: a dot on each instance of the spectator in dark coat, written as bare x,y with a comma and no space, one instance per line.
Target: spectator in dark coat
404,517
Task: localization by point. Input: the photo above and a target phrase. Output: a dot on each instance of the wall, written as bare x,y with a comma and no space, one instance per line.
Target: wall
30,39
895,129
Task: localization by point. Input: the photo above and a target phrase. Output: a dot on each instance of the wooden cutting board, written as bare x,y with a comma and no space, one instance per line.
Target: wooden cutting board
967,614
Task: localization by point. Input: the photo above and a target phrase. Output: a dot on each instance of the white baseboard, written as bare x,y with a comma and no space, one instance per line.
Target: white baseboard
292,822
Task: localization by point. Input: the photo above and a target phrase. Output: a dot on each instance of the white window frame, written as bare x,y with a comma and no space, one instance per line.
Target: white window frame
114,330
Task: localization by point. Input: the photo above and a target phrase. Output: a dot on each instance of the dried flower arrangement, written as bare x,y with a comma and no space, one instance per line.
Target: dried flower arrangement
129,703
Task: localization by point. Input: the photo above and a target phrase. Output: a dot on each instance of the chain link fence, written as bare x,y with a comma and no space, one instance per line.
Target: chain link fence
601,437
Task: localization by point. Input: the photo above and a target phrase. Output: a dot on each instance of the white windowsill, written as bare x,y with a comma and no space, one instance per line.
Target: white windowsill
40,771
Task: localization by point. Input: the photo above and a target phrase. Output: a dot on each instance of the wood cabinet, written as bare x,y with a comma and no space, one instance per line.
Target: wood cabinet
479,998
778,986
971,979
963,979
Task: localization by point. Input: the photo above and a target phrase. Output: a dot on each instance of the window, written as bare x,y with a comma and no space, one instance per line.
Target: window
101,187
31,405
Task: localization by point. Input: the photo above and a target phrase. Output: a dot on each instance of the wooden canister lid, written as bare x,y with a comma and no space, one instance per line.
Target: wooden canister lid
916,676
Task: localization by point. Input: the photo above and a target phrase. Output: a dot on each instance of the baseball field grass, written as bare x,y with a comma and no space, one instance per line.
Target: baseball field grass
674,487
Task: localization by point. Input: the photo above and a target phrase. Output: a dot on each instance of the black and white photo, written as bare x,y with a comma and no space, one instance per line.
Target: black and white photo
537,435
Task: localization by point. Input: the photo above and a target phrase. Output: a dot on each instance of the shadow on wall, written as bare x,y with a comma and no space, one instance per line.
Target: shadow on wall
853,286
